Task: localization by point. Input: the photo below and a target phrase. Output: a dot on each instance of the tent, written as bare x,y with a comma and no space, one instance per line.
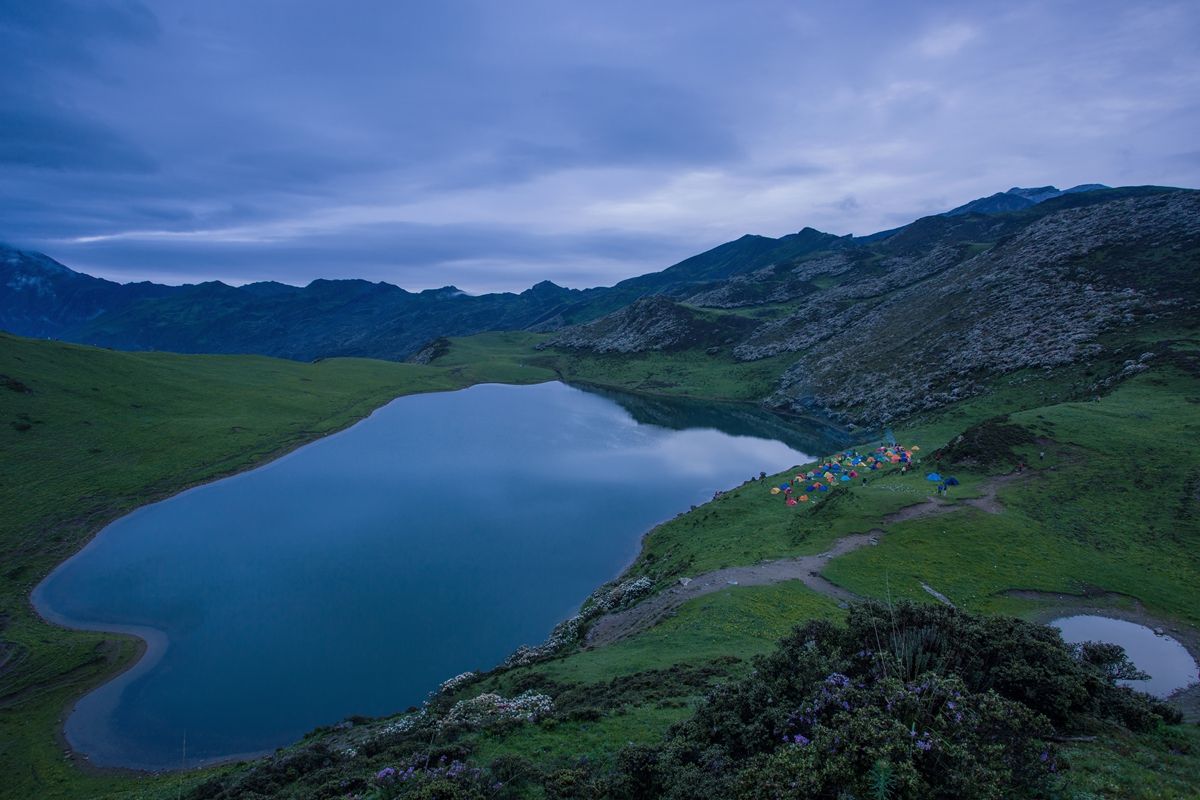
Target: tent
933,476
853,473
803,498
845,478
783,487
822,487
952,481
774,490
791,501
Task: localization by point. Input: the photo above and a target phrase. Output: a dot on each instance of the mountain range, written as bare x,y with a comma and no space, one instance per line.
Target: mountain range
1017,198
1032,277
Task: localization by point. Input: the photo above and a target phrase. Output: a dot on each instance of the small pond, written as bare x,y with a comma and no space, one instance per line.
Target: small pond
1164,659
355,574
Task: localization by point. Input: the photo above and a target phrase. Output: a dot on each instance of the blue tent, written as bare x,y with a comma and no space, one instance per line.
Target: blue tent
822,488
783,487
952,481
933,476
845,477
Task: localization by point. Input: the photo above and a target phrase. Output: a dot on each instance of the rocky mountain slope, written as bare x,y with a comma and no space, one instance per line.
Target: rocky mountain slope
43,298
885,328
930,312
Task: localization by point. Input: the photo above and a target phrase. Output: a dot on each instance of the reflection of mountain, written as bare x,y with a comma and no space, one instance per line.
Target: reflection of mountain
809,434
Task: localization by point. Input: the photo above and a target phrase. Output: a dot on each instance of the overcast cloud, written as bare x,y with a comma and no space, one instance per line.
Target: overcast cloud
494,144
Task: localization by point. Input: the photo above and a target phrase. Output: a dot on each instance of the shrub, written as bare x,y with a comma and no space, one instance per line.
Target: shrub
912,701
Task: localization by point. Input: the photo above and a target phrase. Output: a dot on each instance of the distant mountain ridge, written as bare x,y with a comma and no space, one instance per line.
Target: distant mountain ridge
41,297
1017,198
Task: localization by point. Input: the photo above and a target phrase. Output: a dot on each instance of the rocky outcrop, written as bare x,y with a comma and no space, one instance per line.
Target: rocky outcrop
1041,298
651,323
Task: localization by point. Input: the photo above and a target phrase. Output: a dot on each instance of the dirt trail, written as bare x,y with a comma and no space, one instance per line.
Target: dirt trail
614,627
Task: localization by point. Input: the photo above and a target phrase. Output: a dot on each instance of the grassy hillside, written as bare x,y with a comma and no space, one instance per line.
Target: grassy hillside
88,434
1106,520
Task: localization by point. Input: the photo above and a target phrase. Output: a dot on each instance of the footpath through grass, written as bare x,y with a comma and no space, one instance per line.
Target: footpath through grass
86,435
1113,507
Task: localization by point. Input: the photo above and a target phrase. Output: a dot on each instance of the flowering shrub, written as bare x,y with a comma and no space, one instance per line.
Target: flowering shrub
457,682
625,592
489,709
445,780
405,724
570,631
565,633
931,738
903,703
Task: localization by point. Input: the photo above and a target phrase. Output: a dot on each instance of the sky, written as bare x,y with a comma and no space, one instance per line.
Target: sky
491,145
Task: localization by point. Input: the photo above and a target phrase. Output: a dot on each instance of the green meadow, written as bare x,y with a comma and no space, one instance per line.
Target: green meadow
87,435
1109,515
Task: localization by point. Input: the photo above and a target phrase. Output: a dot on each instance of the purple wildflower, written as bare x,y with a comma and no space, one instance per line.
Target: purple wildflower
385,774
801,739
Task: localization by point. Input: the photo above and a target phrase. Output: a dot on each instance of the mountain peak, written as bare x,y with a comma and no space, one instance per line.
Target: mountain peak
444,292
1018,198
1036,194
544,289
32,262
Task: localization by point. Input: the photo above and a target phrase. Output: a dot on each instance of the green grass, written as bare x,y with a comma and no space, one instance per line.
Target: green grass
562,743
501,357
1155,766
749,524
86,435
686,373
1113,507
743,621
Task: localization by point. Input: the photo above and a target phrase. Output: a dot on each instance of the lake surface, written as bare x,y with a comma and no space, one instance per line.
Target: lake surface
1164,659
355,574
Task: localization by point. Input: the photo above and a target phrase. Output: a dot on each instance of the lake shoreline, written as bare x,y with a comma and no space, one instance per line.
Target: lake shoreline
153,643
80,759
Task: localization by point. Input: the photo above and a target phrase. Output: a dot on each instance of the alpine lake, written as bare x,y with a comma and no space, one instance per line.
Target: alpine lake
356,574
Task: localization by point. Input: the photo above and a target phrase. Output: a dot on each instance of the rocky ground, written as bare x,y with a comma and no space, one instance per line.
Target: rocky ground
942,307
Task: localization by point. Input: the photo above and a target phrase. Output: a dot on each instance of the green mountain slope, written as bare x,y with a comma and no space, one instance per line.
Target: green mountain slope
87,435
40,297
1062,537
878,331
